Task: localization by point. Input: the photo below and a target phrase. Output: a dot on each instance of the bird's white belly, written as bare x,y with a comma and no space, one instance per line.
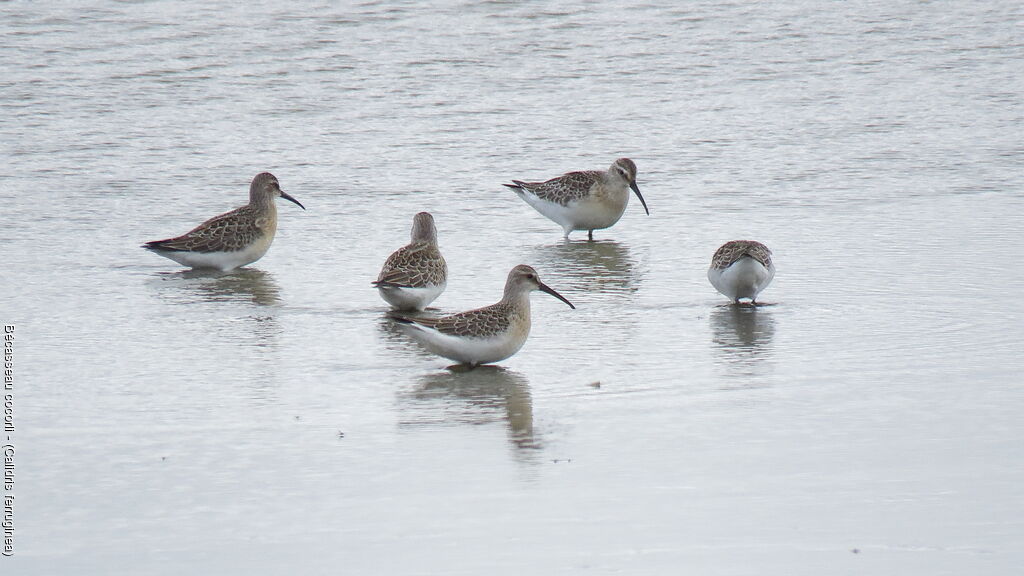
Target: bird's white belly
411,298
469,350
595,214
745,278
590,213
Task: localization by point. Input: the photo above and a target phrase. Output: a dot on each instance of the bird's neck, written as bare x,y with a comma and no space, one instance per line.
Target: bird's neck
425,238
517,299
262,202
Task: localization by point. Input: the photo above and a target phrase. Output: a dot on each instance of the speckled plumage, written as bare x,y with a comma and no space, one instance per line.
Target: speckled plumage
563,189
414,265
233,239
586,200
732,251
482,322
229,232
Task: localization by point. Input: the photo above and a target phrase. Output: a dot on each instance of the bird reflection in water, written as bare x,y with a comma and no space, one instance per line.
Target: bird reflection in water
598,267
244,286
481,396
743,335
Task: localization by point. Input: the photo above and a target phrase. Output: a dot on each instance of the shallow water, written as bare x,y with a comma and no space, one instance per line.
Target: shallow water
866,420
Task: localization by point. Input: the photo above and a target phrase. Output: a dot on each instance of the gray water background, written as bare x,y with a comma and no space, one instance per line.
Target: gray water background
272,421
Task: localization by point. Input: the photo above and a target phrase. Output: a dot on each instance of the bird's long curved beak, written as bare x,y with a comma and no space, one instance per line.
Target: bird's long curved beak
545,288
636,189
287,196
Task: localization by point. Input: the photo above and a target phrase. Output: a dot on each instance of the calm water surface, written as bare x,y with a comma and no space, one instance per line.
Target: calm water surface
866,421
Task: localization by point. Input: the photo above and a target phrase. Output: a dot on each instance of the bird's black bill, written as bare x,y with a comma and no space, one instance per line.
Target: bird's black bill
636,189
550,290
287,196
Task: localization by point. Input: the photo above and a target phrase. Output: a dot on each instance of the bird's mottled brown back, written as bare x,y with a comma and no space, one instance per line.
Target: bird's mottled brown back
564,189
730,252
416,265
229,232
480,323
